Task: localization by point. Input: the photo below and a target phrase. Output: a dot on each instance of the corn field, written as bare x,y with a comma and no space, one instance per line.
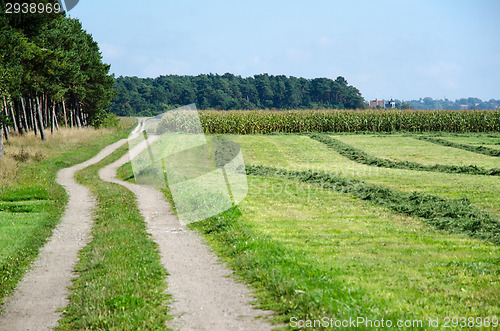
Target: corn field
264,122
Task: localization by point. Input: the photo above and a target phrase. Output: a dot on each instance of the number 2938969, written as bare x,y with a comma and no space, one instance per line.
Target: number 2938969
32,8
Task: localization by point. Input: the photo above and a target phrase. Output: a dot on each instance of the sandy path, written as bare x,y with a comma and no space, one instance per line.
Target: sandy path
44,289
204,297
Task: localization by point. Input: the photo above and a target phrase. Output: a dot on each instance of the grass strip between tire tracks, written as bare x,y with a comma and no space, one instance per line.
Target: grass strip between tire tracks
455,216
360,156
121,281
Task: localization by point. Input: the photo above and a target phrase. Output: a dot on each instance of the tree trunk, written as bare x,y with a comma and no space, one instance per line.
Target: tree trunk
78,122
46,110
84,119
26,126
13,117
1,142
32,114
6,131
52,124
77,115
17,111
40,118
64,110
71,117
2,126
54,115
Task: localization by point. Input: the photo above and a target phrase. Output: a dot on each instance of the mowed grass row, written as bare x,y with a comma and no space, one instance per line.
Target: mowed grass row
264,122
490,148
403,148
301,153
488,141
360,156
31,202
314,253
454,216
121,281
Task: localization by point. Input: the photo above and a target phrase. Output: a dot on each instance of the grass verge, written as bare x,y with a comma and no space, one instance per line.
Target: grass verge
31,202
121,282
360,156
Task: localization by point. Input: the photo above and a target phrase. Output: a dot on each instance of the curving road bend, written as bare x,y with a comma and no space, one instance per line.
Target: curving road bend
204,297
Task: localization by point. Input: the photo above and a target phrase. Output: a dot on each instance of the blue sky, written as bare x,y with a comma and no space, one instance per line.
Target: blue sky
387,48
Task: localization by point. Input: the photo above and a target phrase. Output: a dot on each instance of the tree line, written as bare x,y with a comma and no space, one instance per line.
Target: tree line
463,103
152,96
51,74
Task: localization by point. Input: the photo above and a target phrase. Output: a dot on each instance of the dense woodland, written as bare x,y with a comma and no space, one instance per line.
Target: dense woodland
51,74
148,96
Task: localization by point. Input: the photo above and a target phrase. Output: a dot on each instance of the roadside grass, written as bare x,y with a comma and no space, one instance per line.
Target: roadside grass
31,202
313,253
402,148
121,282
300,153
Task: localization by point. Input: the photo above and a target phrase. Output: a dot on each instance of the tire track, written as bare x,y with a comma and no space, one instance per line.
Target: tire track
43,291
204,297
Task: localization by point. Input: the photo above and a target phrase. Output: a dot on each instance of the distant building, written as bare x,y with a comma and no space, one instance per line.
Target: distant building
376,102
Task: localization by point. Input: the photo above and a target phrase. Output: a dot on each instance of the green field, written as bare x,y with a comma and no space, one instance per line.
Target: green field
487,141
320,234
332,120
402,148
296,152
312,251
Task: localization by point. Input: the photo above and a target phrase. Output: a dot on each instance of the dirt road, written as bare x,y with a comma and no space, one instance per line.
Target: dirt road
205,298
44,289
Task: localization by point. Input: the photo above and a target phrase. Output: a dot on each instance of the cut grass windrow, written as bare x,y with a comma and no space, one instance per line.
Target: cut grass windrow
313,253
302,153
121,281
454,216
475,149
360,156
